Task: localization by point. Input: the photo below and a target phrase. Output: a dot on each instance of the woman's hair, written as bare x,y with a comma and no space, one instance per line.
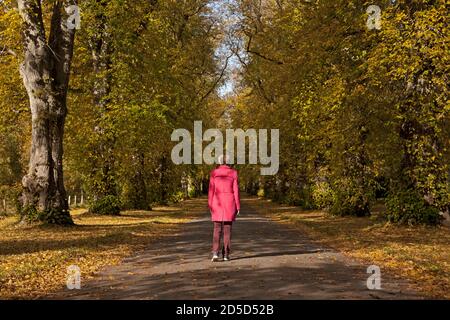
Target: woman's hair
223,159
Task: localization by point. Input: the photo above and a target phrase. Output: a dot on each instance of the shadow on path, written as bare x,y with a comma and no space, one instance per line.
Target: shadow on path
269,261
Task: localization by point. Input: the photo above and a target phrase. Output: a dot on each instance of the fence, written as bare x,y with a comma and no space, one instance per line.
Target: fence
7,206
76,201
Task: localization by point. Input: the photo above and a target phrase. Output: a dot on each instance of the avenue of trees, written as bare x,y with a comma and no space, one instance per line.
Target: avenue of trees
363,113
138,69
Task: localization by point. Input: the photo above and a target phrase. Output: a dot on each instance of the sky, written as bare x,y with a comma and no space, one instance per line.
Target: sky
227,18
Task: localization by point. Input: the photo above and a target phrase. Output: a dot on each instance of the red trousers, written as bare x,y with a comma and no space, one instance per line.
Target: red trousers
222,228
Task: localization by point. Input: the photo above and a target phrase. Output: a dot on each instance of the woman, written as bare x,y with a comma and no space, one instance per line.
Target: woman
224,204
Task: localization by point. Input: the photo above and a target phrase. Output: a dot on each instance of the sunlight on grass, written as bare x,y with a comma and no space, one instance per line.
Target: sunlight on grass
421,254
34,259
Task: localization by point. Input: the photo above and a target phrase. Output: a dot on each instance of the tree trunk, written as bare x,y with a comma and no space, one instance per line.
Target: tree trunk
45,72
103,175
163,180
139,196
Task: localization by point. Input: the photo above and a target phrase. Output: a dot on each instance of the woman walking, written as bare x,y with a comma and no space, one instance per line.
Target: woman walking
224,204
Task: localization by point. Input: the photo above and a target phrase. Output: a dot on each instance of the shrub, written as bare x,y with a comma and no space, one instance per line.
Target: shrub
52,216
294,198
322,195
407,207
133,198
350,203
260,192
108,205
177,197
345,198
30,214
301,197
351,198
194,192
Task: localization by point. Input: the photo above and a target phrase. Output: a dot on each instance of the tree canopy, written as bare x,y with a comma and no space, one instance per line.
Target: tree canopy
363,112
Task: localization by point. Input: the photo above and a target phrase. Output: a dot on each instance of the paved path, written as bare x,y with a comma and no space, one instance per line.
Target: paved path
270,261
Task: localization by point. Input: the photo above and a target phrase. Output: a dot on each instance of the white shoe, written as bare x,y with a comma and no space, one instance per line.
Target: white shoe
226,258
215,258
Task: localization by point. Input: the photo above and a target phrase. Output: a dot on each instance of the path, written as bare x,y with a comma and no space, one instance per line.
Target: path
270,261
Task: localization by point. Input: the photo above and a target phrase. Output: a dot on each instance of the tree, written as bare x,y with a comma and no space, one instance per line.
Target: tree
45,73
359,110
143,68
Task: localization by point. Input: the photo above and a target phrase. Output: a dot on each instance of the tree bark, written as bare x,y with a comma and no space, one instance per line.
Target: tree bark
163,180
103,179
45,72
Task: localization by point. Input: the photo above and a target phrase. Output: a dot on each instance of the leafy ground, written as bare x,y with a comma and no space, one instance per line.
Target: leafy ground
269,261
421,254
34,259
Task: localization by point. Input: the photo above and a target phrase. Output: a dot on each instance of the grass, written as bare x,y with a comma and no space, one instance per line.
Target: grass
420,254
34,259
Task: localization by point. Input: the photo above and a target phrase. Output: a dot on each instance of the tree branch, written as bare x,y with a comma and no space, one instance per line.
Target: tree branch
61,41
250,38
257,83
143,24
222,73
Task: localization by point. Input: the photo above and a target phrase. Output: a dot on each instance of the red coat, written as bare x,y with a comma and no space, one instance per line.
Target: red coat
223,194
